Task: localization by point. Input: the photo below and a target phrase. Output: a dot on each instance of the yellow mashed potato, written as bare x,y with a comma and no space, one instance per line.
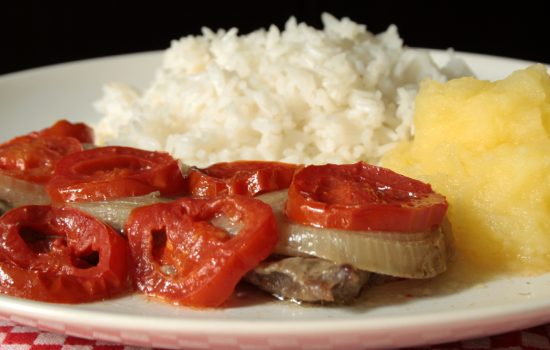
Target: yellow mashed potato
486,146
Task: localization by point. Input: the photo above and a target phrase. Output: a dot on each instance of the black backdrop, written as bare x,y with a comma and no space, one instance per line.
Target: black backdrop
38,33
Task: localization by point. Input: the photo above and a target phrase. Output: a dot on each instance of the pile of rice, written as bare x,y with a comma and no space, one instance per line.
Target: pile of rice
299,95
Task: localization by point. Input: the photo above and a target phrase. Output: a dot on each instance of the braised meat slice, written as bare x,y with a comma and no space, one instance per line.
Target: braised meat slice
308,279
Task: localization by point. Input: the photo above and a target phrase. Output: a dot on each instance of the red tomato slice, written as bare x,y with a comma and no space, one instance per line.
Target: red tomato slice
363,197
60,255
115,172
180,256
79,131
34,159
242,177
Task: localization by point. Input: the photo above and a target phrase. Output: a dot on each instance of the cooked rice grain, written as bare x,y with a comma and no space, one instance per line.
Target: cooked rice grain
300,95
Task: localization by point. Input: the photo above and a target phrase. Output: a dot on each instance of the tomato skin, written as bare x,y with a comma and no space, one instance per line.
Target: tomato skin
114,172
34,159
206,262
79,131
62,128
241,177
61,255
363,197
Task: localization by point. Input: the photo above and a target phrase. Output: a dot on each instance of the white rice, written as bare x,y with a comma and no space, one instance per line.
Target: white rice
300,95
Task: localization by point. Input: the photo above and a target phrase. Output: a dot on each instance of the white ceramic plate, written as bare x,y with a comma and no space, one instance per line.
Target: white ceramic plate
391,316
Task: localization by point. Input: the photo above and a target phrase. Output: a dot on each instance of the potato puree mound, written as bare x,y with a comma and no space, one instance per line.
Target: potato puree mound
486,146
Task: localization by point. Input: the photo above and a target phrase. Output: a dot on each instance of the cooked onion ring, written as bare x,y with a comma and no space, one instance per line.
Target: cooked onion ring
410,255
16,192
115,212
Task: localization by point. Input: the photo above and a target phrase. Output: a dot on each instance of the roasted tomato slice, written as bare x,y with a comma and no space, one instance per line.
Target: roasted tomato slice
363,197
64,128
79,131
113,172
241,177
181,256
59,254
34,159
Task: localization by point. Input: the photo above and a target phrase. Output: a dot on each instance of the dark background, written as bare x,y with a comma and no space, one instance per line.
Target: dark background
38,33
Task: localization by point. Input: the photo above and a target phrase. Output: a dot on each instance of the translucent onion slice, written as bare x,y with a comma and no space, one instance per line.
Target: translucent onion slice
4,207
408,255
15,192
230,226
115,212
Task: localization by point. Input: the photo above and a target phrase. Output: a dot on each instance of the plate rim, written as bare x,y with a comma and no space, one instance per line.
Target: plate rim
151,53
63,312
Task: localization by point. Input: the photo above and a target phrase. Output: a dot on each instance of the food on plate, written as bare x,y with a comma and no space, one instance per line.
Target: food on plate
261,221
241,177
33,159
4,207
309,279
298,95
180,256
409,255
27,162
59,254
115,172
62,128
362,197
486,147
115,212
409,238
